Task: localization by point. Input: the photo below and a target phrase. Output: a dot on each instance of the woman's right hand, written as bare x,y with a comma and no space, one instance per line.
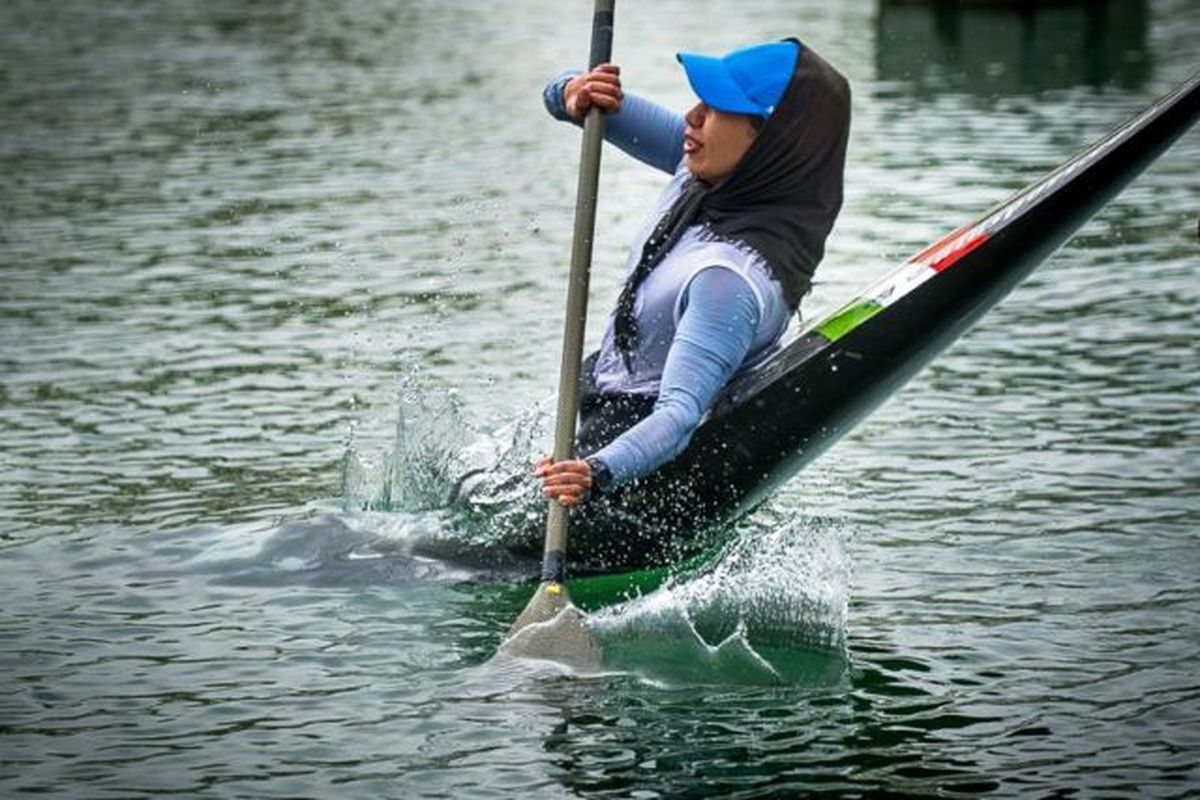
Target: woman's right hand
565,482
600,88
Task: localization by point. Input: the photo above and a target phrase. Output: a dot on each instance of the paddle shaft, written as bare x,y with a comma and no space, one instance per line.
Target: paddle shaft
554,558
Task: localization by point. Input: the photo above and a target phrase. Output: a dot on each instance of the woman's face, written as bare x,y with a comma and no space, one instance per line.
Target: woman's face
715,141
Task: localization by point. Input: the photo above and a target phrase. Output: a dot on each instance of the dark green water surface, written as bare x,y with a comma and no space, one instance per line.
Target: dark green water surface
241,241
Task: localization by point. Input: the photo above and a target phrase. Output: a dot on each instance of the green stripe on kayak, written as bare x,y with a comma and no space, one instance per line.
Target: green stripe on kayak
596,591
848,318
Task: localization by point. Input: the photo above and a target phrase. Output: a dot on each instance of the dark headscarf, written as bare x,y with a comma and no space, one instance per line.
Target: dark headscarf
780,200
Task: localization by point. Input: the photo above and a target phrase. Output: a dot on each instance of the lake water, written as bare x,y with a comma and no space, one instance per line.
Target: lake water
245,243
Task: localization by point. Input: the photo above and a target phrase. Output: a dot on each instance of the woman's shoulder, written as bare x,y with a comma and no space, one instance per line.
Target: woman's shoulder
705,249
706,246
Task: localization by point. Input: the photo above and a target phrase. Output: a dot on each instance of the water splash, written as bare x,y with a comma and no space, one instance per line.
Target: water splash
439,464
417,472
496,499
770,609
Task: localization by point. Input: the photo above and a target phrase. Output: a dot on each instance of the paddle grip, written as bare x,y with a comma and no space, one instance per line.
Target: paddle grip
602,33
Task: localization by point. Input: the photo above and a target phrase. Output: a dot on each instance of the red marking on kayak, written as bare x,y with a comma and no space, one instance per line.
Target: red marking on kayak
944,252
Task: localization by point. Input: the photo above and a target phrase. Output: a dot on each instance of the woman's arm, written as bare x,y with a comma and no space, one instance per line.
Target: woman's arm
645,130
714,334
713,337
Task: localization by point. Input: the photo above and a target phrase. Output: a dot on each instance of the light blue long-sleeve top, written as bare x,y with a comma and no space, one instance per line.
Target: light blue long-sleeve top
720,312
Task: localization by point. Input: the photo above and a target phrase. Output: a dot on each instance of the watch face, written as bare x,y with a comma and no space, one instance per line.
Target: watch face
600,473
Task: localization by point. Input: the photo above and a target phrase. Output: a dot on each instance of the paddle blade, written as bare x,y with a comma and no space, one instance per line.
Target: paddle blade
551,628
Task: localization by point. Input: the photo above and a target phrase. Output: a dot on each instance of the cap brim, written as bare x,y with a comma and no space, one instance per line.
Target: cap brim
713,83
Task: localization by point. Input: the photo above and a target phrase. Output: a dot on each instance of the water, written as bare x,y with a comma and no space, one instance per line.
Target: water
238,239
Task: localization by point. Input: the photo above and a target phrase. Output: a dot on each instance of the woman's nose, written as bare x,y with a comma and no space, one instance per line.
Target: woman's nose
695,115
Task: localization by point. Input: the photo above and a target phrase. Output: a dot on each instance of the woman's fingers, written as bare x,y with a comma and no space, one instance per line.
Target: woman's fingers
573,466
603,96
566,495
565,482
564,490
548,466
567,479
601,88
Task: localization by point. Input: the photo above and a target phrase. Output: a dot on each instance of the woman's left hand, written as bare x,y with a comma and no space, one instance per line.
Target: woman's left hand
564,482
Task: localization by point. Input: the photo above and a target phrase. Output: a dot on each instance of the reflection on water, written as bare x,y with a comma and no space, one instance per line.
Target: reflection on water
991,49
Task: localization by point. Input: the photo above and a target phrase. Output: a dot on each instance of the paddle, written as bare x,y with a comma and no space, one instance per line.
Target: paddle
551,627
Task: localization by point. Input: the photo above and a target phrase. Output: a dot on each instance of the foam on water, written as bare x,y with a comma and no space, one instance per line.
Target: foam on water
771,608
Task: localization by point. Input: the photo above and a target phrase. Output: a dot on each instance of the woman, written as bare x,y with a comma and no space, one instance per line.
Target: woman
722,260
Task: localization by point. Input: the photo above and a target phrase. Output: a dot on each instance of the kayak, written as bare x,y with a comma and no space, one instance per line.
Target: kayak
770,422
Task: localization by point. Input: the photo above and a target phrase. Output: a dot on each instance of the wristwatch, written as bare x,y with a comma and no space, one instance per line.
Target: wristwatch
601,476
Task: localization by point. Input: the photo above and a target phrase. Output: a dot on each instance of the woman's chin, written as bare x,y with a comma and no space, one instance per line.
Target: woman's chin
695,166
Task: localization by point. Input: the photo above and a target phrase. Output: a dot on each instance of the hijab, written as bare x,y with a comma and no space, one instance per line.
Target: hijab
780,200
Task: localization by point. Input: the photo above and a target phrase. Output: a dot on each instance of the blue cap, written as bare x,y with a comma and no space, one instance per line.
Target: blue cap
751,80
